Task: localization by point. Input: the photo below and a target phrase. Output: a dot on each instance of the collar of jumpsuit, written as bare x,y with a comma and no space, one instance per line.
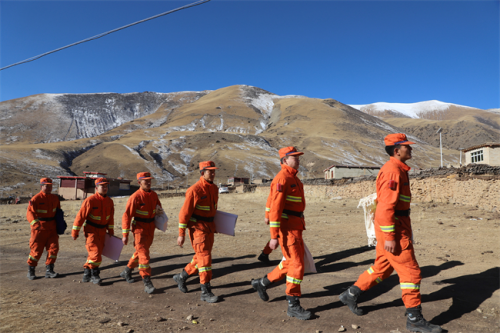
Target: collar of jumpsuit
401,165
288,169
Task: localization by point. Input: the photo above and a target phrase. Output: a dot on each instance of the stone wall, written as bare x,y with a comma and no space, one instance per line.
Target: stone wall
480,193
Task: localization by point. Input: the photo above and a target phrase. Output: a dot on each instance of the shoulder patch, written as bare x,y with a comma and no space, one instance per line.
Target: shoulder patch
392,185
279,187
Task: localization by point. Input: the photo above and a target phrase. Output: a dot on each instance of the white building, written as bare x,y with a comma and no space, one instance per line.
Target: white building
487,153
346,171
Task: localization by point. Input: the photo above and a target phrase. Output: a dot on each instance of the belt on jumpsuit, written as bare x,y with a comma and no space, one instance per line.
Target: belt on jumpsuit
402,212
203,218
294,213
95,225
145,220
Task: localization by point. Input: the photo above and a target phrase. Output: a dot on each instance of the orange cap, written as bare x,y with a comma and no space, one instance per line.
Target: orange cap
397,139
45,181
101,181
207,165
289,151
144,175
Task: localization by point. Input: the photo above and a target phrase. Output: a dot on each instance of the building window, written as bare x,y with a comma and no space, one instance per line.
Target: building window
476,156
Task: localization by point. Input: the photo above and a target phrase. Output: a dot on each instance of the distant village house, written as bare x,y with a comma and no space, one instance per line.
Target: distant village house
80,187
237,181
487,153
346,171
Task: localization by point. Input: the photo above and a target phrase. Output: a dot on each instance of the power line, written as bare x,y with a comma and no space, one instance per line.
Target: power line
197,3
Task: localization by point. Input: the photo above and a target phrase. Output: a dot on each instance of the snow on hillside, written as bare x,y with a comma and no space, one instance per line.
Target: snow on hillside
411,110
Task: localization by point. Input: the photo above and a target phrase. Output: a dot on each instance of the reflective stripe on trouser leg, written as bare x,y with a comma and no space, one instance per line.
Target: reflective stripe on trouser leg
292,247
142,243
133,261
202,243
39,240
94,242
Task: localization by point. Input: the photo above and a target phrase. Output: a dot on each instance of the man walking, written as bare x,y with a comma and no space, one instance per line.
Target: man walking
286,215
97,212
41,215
394,237
140,213
197,214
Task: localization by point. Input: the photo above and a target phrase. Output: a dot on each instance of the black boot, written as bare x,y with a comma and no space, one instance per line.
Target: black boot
181,280
86,275
148,285
349,298
264,258
206,293
127,275
31,272
261,285
295,310
49,273
416,322
95,278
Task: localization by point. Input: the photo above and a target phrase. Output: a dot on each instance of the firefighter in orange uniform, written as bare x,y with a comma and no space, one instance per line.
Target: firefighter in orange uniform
287,222
97,216
140,213
264,256
197,214
394,237
41,215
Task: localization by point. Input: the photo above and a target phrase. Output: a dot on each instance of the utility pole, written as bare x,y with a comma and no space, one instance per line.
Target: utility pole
461,155
440,144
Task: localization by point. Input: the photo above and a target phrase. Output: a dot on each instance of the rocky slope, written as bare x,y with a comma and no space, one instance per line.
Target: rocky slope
241,128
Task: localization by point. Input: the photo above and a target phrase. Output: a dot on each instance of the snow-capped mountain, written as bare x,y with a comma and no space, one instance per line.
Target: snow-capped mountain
409,110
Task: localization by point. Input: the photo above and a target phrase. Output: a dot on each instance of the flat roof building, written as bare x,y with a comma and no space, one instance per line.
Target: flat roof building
348,171
486,153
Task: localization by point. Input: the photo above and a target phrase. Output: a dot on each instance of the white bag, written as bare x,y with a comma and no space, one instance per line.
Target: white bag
369,205
161,220
309,266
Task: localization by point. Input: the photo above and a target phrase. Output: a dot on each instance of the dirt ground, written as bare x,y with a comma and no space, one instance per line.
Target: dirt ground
457,248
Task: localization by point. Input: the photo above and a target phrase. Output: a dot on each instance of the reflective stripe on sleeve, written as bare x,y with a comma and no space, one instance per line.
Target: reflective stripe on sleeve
125,231
280,265
275,224
370,270
293,199
268,209
111,226
34,221
404,198
182,226
387,228
207,208
75,227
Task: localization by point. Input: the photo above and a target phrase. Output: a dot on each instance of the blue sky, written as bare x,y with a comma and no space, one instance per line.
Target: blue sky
357,52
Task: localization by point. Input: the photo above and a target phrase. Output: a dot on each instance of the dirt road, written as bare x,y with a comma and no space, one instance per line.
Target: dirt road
457,248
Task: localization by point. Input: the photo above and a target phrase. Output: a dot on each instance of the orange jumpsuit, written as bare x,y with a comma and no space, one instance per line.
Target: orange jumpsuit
199,208
41,212
393,202
267,249
140,214
287,198
96,215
